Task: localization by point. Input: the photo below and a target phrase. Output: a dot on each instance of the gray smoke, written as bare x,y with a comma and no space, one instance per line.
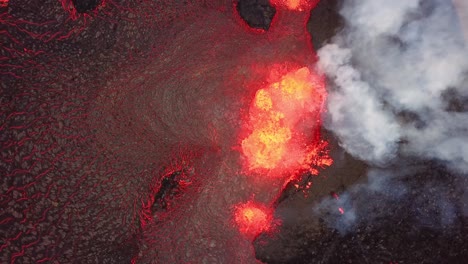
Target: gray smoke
398,73
398,67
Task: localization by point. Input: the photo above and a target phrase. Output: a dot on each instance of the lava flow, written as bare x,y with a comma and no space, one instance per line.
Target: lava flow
283,120
96,101
283,138
280,134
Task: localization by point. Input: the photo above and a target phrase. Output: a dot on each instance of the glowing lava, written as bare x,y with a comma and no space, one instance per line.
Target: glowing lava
295,5
283,120
252,219
4,3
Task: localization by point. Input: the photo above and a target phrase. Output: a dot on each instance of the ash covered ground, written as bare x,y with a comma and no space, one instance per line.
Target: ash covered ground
85,179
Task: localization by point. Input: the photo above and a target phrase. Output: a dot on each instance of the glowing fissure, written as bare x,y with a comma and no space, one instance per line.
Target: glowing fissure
282,119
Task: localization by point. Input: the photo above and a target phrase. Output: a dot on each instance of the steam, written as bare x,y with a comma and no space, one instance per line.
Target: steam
392,196
398,66
399,91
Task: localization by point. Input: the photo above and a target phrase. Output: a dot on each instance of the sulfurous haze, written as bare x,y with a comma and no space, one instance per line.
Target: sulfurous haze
398,94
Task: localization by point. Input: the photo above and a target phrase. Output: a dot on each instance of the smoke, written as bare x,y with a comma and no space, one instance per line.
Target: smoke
392,198
398,71
398,67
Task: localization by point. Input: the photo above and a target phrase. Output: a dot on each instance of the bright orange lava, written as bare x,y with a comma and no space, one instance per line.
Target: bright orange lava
283,120
295,5
252,219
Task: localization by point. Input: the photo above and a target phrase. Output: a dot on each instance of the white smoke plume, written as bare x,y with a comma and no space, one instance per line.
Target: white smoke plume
399,70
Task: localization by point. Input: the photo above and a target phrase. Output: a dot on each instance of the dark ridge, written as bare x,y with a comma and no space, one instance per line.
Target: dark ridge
83,6
256,13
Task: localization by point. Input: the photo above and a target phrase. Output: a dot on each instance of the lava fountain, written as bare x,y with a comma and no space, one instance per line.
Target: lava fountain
283,120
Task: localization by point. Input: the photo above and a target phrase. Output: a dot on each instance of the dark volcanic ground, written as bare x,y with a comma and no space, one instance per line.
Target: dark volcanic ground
67,197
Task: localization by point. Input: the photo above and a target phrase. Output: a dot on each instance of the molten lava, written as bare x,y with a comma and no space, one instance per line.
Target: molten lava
283,120
295,5
252,219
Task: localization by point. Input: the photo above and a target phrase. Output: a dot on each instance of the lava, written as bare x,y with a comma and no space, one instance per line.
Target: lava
252,218
4,3
283,120
88,133
295,5
283,138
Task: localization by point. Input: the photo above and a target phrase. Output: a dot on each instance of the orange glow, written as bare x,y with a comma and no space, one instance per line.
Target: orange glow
296,5
282,121
293,4
252,219
4,3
